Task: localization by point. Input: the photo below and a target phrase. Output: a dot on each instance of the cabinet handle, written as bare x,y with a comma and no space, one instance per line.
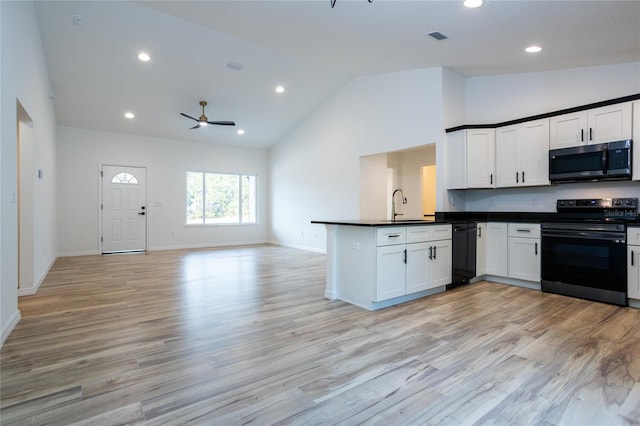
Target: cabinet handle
632,256
590,133
523,176
523,230
405,255
434,252
491,179
517,181
394,235
536,248
479,232
581,135
430,253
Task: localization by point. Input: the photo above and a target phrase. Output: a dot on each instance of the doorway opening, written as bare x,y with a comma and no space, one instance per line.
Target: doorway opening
26,202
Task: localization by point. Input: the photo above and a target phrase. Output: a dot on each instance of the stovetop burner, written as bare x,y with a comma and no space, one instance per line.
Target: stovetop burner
610,210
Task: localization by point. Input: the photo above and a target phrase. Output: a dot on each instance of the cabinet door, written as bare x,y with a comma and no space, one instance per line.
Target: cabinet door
533,153
524,258
417,267
506,154
481,250
568,130
497,255
390,272
633,272
440,264
610,123
480,158
636,140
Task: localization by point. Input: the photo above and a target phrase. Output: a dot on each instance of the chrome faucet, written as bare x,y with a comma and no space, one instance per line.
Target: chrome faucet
393,202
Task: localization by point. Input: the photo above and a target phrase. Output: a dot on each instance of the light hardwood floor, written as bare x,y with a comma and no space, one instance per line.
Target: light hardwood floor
244,336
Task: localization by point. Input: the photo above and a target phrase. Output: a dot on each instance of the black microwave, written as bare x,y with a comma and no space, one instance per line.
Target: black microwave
604,161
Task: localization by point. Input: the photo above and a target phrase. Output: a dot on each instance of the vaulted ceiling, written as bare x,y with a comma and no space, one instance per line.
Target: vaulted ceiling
306,46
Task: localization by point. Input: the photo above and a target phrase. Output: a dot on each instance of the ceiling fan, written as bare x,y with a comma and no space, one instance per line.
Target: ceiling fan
203,120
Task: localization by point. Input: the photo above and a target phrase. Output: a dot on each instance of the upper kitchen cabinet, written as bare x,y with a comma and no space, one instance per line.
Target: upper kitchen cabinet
481,145
598,125
636,141
522,154
471,159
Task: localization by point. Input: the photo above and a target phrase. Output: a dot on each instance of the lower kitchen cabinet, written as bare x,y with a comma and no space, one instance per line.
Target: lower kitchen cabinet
481,250
497,246
524,251
633,267
403,269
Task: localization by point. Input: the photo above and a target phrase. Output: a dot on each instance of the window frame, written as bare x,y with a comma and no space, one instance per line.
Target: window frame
239,199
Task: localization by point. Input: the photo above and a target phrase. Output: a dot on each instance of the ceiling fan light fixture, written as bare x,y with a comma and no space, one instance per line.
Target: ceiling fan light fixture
203,123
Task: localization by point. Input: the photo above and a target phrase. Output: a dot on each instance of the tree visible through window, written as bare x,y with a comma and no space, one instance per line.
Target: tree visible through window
214,198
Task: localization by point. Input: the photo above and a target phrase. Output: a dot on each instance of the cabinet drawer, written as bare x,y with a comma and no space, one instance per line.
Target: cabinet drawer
387,236
524,230
440,232
418,234
633,235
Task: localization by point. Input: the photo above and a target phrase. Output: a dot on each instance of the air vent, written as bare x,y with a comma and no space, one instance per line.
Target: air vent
437,35
235,66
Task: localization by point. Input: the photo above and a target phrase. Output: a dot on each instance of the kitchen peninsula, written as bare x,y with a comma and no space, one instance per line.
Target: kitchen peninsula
376,264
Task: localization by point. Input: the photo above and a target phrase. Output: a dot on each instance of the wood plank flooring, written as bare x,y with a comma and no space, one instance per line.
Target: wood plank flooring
243,335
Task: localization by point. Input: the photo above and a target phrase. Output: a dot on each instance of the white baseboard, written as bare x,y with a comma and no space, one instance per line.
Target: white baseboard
78,253
206,245
33,290
300,247
13,321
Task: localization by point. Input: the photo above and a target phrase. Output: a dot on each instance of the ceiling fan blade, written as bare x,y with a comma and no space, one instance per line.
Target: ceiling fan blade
188,116
222,123
197,126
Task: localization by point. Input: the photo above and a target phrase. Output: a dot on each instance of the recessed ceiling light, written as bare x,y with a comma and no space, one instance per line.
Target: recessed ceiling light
533,49
129,115
279,89
473,3
240,132
144,56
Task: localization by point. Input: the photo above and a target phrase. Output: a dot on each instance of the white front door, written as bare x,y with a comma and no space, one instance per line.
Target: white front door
124,204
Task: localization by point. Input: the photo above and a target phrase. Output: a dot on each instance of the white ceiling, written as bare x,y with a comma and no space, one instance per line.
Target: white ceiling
305,45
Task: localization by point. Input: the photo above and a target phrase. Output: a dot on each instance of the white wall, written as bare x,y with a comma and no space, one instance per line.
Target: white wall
80,153
315,169
500,98
24,78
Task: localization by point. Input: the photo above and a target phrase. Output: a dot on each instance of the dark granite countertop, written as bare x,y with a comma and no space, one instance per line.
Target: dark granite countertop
382,222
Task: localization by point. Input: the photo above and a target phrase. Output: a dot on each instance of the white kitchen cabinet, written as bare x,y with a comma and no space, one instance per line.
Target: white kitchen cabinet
422,263
390,272
439,273
633,267
598,125
481,249
497,246
524,251
522,154
480,158
471,159
636,141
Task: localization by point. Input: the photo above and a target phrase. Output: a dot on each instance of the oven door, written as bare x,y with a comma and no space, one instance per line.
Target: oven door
590,263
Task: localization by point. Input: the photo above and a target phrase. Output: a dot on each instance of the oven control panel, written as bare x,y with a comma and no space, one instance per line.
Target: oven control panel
598,203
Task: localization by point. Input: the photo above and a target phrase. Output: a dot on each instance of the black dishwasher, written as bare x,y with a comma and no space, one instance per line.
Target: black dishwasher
463,252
